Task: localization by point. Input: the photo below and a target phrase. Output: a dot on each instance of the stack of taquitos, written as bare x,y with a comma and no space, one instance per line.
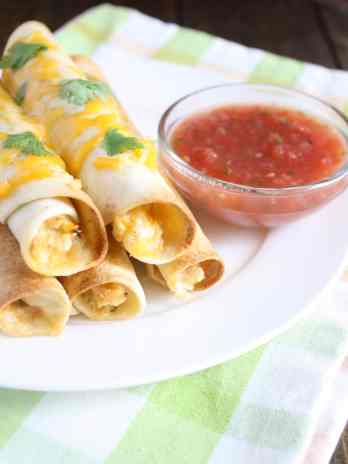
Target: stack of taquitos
152,223
56,224
58,227
87,129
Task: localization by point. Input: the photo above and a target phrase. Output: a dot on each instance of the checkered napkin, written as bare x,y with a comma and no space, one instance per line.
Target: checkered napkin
284,402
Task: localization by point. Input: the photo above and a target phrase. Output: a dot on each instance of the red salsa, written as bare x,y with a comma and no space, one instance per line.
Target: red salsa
259,146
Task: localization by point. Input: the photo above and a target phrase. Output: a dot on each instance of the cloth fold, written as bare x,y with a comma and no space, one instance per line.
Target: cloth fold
276,404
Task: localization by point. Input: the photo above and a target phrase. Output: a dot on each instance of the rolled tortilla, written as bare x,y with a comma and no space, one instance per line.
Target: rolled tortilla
197,269
86,127
110,291
29,303
58,227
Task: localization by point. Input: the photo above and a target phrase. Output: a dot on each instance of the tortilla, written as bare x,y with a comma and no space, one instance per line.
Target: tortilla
197,269
29,303
110,291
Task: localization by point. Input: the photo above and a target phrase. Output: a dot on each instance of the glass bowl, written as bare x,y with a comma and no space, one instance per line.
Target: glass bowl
241,204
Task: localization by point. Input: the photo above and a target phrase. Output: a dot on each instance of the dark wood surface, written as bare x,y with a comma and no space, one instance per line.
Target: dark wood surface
304,29
315,31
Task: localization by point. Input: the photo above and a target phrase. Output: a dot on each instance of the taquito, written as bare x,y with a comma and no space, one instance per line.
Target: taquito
87,128
30,304
58,227
110,291
199,267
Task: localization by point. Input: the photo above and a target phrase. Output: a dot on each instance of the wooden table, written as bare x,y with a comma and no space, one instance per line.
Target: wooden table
304,29
309,30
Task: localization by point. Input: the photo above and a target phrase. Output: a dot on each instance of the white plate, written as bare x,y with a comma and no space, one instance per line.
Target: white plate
280,277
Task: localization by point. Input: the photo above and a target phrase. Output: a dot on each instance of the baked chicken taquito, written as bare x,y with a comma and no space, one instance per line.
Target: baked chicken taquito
58,228
199,267
30,304
110,291
89,130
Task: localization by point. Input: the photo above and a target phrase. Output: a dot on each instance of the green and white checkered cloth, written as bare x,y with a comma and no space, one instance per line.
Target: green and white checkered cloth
268,406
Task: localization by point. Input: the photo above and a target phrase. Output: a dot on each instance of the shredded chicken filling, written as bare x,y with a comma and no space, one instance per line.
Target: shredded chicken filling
189,278
140,232
109,296
55,240
103,300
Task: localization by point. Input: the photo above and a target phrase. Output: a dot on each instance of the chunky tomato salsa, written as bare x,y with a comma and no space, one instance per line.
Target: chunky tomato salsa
259,146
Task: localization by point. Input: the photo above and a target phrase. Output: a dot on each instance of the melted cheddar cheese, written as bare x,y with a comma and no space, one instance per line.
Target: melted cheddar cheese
146,156
17,168
65,128
41,38
27,169
66,122
9,186
106,162
46,68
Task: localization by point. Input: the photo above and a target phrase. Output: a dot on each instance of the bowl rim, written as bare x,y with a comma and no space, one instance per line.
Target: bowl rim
165,148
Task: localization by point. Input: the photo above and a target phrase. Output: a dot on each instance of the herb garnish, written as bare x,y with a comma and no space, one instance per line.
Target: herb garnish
19,54
20,94
27,143
80,91
116,143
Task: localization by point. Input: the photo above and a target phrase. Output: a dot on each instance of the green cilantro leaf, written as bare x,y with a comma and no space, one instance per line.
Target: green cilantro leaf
116,143
27,143
20,95
19,54
81,91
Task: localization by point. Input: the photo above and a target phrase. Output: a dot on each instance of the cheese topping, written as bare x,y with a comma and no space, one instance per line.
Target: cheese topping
9,186
17,165
41,38
26,170
106,162
67,122
66,127
146,155
139,231
82,153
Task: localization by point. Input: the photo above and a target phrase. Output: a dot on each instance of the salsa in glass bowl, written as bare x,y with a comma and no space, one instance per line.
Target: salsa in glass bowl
254,155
